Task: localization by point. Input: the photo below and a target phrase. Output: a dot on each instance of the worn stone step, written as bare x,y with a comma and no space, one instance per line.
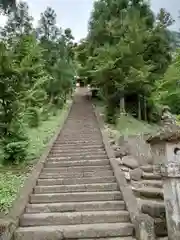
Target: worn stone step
83,140
45,219
75,146
112,238
152,183
162,238
154,208
72,158
90,142
83,131
75,197
80,134
82,154
106,173
148,192
149,176
77,169
101,230
160,227
72,181
69,163
79,150
76,206
77,188
147,168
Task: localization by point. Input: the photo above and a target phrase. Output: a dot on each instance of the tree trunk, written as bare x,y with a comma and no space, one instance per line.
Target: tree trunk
122,104
145,109
139,108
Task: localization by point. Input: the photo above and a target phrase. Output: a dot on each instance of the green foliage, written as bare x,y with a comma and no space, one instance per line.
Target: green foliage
167,89
33,117
12,177
127,49
36,75
7,5
9,186
15,152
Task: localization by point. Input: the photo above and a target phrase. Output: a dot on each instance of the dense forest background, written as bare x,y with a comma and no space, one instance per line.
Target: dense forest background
129,55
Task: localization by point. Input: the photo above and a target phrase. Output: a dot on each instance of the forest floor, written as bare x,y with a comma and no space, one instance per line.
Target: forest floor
12,177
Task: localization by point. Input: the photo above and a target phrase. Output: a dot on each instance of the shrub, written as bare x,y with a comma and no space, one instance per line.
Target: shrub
15,152
33,117
14,143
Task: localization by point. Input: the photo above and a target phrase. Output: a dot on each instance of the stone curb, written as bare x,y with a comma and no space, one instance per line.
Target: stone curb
143,223
9,223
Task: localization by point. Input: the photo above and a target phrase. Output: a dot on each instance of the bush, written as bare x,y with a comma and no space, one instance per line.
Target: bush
110,115
15,152
14,143
33,117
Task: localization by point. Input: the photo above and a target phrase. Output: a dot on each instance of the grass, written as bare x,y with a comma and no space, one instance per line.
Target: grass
127,125
12,177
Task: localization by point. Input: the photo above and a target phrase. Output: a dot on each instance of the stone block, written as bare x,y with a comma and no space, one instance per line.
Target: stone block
136,174
130,162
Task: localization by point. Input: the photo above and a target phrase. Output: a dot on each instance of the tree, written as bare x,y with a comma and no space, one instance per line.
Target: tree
6,5
122,51
19,23
37,69
58,55
47,29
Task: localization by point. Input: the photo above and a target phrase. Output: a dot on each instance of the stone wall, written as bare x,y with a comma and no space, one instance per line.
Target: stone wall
138,148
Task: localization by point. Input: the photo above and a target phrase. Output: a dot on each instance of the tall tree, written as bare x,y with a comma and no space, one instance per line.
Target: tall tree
19,23
6,5
119,50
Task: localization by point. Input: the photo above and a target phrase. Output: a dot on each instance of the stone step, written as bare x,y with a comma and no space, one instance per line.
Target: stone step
72,181
77,188
45,219
75,197
77,140
74,137
150,176
79,150
76,207
160,227
107,173
155,193
147,168
75,146
83,142
112,238
154,208
84,131
80,135
82,154
78,169
162,238
72,158
152,183
101,230
69,163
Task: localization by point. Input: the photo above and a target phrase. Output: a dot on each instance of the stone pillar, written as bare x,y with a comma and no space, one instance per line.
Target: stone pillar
166,153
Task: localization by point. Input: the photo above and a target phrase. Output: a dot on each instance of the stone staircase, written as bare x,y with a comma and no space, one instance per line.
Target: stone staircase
151,199
76,196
